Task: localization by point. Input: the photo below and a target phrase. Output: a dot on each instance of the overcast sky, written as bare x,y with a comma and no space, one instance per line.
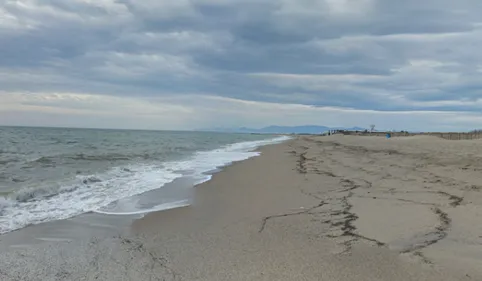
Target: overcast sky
165,64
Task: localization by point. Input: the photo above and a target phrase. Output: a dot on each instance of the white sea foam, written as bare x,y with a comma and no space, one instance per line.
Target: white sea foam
88,194
160,207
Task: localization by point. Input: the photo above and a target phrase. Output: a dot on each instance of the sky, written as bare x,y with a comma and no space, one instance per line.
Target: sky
190,64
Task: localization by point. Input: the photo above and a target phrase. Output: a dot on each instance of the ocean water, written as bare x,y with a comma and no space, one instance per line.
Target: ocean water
50,174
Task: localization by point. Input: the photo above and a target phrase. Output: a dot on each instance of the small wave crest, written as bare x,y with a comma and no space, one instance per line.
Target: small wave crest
4,203
44,160
90,179
38,193
7,161
102,157
28,194
79,157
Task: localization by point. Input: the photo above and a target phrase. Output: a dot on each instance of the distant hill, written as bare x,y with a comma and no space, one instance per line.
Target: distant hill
308,129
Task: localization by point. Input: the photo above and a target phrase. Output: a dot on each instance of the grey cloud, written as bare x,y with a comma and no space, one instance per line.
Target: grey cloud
422,51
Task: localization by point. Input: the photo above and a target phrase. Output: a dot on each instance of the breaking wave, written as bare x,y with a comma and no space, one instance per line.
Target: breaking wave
90,193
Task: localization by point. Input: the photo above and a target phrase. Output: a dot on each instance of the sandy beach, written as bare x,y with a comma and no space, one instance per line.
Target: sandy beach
313,208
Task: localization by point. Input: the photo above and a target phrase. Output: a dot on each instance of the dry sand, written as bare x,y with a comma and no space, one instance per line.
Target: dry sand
315,208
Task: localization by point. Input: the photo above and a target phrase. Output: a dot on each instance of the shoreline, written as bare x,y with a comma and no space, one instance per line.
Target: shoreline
312,208
181,189
117,189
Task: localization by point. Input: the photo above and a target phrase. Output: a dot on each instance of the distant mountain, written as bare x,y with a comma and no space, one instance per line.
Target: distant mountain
308,129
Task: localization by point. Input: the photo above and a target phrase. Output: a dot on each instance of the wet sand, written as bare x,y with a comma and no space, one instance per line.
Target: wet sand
314,208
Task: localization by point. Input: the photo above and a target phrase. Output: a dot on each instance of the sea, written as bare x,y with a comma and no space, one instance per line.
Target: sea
49,174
